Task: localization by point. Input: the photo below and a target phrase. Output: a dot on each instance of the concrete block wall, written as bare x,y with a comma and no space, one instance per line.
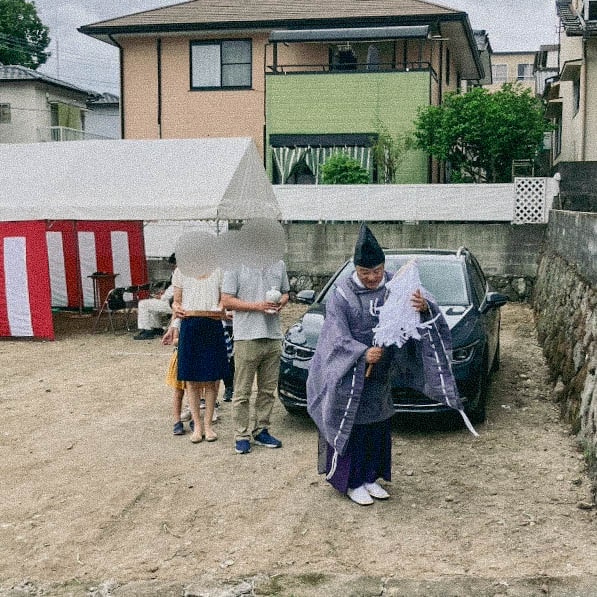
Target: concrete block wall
508,253
564,303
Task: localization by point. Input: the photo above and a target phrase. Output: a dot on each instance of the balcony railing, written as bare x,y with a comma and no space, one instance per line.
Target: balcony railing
64,133
356,67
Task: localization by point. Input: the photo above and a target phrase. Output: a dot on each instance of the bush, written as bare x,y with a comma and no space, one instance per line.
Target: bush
342,169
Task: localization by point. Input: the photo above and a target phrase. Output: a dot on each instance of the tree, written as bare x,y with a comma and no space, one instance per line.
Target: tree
481,133
23,37
389,152
342,169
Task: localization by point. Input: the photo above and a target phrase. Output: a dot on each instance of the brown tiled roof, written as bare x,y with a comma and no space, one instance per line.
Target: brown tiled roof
205,13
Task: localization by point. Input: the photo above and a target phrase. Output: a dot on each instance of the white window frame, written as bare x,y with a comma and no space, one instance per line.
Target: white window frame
496,77
214,80
524,71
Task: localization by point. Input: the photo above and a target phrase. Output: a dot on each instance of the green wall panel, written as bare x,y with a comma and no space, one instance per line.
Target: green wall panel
349,103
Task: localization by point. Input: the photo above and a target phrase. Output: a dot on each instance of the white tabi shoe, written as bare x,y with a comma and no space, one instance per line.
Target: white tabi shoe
377,491
360,496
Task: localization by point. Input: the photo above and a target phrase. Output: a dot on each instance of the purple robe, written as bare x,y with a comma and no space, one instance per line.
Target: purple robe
338,394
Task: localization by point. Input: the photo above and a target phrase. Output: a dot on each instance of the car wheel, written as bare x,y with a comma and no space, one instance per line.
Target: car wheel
477,411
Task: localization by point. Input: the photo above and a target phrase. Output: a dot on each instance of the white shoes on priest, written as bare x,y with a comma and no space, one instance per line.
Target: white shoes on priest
377,491
364,494
360,495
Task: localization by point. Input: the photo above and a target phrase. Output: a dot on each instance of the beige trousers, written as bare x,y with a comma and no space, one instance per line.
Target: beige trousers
254,360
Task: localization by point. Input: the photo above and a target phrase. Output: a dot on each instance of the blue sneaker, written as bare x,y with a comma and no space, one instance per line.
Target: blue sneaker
263,438
192,425
243,446
178,428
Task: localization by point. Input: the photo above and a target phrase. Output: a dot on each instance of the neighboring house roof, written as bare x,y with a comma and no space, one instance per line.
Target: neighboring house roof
482,40
573,24
22,73
104,99
485,52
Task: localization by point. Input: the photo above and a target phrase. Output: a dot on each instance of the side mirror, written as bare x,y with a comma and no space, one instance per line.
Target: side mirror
305,296
493,300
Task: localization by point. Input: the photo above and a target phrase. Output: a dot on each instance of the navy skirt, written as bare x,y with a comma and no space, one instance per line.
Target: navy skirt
202,350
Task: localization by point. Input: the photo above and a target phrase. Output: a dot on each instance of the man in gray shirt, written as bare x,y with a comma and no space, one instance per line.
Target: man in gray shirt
257,347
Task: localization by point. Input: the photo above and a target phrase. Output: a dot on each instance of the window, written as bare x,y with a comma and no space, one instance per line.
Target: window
525,72
557,142
592,12
576,95
221,64
447,66
478,282
499,73
4,113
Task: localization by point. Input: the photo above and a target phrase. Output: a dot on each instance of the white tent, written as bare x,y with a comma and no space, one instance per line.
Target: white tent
72,211
175,179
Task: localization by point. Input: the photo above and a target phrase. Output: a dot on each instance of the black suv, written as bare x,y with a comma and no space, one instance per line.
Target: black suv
471,309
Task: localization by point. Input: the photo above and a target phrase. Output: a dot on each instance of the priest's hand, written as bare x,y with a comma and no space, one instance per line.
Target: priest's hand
418,302
373,354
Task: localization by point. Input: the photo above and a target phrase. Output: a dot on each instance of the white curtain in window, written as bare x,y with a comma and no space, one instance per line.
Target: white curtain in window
286,159
317,156
206,65
361,154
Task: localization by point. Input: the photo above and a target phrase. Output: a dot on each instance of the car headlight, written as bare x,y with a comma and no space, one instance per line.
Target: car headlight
293,351
464,354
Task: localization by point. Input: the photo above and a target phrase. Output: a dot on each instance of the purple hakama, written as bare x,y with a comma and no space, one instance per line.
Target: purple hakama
368,457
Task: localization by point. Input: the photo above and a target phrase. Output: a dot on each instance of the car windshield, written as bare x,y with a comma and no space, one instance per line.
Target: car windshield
443,278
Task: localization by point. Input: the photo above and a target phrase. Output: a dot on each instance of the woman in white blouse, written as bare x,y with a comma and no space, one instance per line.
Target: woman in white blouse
202,358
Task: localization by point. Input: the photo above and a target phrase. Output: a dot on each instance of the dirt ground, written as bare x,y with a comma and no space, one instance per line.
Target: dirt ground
97,497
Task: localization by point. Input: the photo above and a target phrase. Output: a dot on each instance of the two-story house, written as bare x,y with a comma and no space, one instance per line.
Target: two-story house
570,97
35,107
302,79
512,67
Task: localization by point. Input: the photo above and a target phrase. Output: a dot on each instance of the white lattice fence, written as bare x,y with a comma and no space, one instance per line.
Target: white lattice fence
531,205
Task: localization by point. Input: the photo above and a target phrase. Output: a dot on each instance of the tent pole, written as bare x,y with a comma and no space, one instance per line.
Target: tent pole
78,259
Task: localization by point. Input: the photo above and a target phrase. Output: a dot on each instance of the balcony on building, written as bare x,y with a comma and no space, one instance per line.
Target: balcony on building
350,50
329,90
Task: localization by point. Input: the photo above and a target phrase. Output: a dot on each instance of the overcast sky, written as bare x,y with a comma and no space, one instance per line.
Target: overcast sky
512,25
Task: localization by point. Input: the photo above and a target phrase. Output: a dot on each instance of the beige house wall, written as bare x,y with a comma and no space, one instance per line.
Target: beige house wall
512,60
186,113
139,95
591,103
579,127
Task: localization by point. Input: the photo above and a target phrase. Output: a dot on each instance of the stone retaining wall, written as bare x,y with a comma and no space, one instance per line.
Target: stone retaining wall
564,302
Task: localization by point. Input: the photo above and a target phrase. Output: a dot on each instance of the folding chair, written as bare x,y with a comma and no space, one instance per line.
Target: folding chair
125,298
